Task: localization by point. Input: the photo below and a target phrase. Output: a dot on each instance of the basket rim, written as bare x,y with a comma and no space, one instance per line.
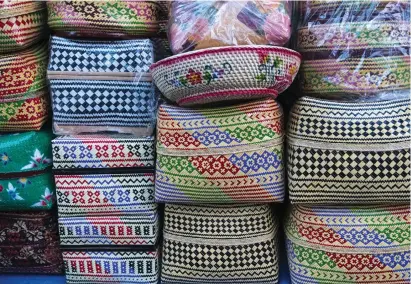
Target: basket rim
196,53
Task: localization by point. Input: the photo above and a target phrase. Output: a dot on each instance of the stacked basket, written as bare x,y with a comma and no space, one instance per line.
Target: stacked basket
349,152
220,151
29,238
104,106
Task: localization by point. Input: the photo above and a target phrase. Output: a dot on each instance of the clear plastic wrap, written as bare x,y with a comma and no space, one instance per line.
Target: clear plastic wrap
200,24
121,19
355,50
102,86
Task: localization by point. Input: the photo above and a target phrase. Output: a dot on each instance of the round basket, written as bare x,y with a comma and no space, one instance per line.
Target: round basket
226,73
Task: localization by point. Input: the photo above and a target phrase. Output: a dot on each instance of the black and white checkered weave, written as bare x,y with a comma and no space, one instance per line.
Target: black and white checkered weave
349,152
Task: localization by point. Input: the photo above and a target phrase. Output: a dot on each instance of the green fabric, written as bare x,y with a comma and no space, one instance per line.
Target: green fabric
25,152
28,193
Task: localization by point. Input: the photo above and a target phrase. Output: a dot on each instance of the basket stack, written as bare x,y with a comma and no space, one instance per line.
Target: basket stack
220,155
29,241
348,152
104,111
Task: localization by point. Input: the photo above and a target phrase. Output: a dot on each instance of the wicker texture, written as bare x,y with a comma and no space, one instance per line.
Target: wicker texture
352,244
111,267
226,73
22,24
233,244
349,152
102,151
101,86
220,155
23,90
113,18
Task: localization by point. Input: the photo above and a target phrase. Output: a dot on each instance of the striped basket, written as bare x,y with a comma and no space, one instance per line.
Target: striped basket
226,73
23,89
357,50
29,243
107,209
85,267
220,155
22,24
351,244
102,151
219,244
349,152
102,86
26,182
112,18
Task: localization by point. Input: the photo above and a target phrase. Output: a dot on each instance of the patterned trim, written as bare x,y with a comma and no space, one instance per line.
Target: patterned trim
121,18
109,230
111,194
102,151
202,228
200,75
366,244
111,267
377,123
357,35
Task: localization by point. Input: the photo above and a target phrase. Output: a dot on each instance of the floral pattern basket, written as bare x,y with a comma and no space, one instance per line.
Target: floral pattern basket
22,24
226,73
26,182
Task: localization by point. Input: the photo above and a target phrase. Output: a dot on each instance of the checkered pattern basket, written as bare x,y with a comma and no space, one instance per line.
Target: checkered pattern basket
220,155
226,73
349,244
349,152
22,24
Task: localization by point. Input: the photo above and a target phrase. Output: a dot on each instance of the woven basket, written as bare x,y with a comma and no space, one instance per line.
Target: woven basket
25,179
29,243
220,155
113,18
23,90
90,266
22,24
102,151
102,86
107,209
219,244
349,152
353,244
226,73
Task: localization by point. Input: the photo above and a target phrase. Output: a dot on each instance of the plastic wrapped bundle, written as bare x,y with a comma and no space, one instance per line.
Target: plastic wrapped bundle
26,182
349,244
349,152
220,155
23,89
102,86
85,267
22,24
104,19
200,24
355,49
29,243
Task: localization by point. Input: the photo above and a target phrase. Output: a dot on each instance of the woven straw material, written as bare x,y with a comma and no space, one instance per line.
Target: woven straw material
22,24
29,243
226,73
349,152
100,86
111,267
102,151
352,244
25,179
23,90
220,155
112,18
219,244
